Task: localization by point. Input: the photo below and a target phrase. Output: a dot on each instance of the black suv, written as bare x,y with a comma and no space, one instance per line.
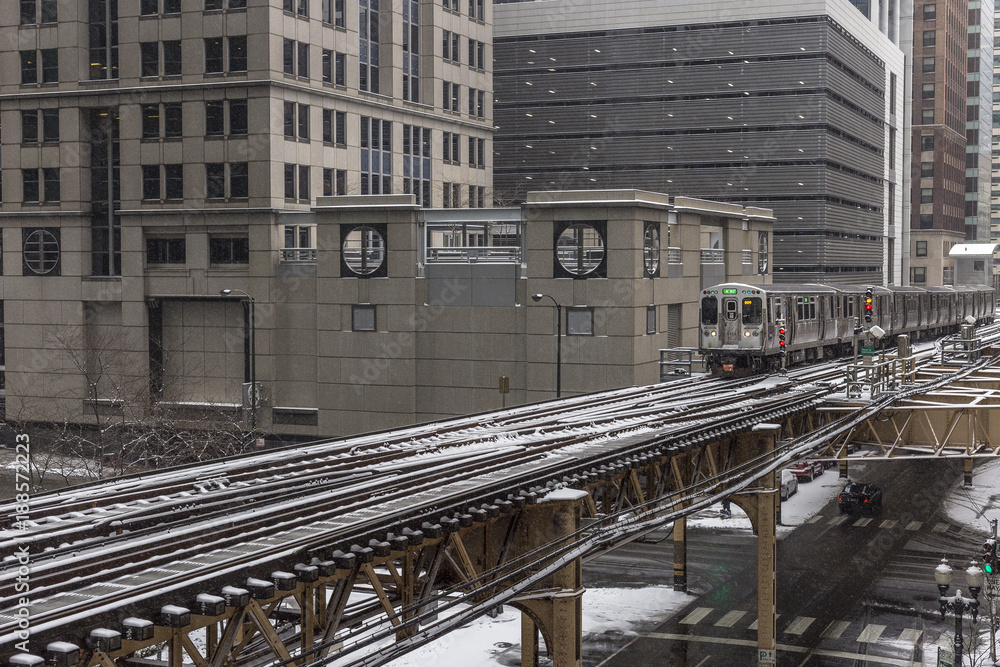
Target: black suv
859,497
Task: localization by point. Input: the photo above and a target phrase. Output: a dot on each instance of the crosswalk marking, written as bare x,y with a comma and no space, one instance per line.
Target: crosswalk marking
695,616
940,528
837,520
815,518
730,619
871,633
799,625
910,635
835,629
888,523
860,523
753,626
914,525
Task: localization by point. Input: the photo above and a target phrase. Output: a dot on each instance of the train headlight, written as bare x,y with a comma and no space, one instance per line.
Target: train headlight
712,334
746,334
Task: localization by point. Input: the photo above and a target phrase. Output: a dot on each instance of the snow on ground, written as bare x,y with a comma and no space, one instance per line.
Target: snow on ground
480,643
975,506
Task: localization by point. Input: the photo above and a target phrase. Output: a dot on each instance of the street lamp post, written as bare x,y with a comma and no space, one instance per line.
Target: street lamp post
253,355
957,603
536,298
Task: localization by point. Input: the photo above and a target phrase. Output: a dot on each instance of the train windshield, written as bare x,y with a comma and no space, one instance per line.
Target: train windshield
709,310
752,309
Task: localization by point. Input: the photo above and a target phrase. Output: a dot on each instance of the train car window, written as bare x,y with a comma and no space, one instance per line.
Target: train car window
812,309
731,308
752,310
799,315
709,310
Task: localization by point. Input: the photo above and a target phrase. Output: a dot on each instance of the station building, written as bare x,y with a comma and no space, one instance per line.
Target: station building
795,106
396,314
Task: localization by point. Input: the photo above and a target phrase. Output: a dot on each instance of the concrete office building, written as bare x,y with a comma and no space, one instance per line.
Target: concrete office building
399,314
795,106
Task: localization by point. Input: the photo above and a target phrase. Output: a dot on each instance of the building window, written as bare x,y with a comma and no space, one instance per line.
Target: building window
579,321
450,142
651,250
477,54
411,50
979,265
215,119
927,142
303,123
49,12
450,93
921,249
450,5
215,180
580,250
363,251
333,12
103,29
174,181
303,60
288,56
363,317
237,117
926,195
929,38
41,252
650,319
368,37
238,53
229,250
149,59
29,67
930,11
927,91
376,156
926,221
47,59
341,182
927,116
213,55
927,65
151,182
477,10
165,251
304,183
450,50
29,186
918,275
926,169
289,119
289,181
417,163
172,58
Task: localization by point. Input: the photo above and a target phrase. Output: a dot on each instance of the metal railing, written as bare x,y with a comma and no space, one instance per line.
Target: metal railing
712,256
965,349
299,255
505,254
673,255
678,362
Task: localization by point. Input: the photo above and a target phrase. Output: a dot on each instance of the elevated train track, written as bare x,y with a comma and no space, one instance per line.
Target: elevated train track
398,516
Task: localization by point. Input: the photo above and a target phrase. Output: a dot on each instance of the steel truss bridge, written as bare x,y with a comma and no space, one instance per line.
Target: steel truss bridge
363,548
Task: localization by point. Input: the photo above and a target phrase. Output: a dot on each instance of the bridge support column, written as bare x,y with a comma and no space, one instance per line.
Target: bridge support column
768,503
967,481
680,555
556,607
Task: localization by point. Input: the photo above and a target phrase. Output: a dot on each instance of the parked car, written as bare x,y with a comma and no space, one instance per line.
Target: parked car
859,497
806,471
789,484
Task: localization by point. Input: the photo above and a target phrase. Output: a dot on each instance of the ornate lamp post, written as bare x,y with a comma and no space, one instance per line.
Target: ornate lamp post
536,298
957,603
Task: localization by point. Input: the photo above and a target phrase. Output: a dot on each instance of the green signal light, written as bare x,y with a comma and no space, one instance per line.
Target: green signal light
987,568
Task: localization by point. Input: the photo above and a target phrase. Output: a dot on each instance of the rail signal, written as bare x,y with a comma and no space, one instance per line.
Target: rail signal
990,556
781,338
869,297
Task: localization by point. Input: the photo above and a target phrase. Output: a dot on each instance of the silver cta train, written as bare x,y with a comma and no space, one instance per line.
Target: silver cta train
739,326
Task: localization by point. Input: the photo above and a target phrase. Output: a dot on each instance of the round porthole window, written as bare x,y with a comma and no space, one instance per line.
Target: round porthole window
41,251
364,250
580,249
651,249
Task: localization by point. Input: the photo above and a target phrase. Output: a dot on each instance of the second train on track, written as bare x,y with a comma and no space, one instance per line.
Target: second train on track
739,325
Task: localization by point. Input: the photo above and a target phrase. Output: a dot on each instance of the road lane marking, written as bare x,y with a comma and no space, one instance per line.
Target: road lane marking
856,657
836,521
941,528
695,616
799,625
753,626
730,619
818,517
835,629
888,523
862,522
871,633
910,635
914,525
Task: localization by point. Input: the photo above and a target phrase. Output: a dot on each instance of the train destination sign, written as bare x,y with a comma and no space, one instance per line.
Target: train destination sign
729,290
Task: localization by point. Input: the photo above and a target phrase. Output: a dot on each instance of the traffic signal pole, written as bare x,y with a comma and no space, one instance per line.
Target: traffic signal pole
990,570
